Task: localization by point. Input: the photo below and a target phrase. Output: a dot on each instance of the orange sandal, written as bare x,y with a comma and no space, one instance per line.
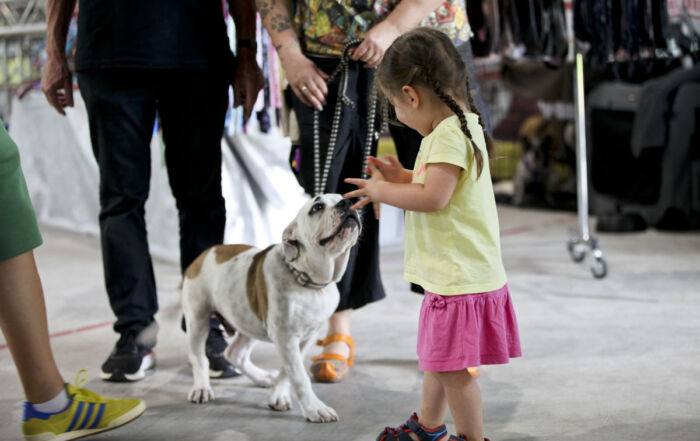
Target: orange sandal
332,368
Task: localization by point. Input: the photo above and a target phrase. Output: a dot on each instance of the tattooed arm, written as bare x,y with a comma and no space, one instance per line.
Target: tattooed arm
306,80
276,17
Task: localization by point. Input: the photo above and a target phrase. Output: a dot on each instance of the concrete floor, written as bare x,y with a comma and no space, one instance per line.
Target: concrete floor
616,359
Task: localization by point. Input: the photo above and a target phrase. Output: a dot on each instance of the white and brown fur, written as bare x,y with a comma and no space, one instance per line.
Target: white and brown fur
255,293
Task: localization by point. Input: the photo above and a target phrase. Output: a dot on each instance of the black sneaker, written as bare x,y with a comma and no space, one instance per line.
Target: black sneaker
129,361
219,366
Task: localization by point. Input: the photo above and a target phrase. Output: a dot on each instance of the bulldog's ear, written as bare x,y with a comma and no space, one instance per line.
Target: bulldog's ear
292,247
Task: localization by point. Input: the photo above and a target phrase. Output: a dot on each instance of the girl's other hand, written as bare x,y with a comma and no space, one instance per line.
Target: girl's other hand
390,168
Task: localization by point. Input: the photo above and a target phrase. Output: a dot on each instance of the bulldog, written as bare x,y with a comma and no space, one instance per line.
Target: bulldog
283,294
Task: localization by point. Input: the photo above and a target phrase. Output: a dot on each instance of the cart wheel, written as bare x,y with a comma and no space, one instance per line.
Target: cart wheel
599,268
577,252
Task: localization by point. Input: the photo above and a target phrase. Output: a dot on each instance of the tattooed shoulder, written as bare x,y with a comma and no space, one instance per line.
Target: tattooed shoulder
281,22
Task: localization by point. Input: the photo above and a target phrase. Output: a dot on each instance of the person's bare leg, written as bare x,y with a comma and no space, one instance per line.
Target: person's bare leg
339,323
23,321
464,399
433,402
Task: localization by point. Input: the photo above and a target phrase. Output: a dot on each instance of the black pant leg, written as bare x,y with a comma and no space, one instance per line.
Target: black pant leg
121,113
192,108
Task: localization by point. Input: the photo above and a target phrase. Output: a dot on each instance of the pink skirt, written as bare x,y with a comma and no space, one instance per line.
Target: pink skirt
458,332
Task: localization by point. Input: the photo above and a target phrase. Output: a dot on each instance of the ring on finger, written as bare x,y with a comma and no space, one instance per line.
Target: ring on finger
304,89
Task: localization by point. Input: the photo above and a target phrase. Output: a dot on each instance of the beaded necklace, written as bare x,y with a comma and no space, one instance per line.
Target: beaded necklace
321,178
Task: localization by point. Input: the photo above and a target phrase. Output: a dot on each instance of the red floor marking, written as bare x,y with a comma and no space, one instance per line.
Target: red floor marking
514,231
72,331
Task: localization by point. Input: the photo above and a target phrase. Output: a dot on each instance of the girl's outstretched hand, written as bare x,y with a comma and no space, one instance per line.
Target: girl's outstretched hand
366,190
390,168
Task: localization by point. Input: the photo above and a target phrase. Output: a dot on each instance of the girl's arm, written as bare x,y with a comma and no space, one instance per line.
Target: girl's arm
440,183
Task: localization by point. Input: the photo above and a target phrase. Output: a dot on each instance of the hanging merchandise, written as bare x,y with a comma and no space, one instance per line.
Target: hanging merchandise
485,21
621,29
555,44
263,116
522,28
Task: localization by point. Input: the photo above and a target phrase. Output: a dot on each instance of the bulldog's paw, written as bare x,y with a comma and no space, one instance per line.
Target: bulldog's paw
201,395
280,399
266,378
318,412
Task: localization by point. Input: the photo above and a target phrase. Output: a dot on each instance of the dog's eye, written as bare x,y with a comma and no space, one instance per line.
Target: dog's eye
317,207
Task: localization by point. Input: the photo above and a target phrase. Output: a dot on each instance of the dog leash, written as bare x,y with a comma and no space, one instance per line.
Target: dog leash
321,179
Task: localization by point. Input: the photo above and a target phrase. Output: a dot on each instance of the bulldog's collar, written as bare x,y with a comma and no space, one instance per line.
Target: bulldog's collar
303,278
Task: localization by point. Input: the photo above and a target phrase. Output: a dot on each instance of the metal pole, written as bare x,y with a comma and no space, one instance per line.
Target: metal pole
581,155
578,246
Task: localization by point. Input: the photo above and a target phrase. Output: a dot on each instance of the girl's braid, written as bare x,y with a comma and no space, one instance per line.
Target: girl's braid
454,106
474,109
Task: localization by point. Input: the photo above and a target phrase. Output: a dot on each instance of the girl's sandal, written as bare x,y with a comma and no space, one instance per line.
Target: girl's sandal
332,368
402,433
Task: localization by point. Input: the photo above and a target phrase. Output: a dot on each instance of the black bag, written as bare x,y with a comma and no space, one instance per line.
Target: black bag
615,171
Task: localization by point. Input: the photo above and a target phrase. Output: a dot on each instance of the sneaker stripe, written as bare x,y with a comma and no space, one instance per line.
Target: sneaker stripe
98,417
88,414
78,412
30,412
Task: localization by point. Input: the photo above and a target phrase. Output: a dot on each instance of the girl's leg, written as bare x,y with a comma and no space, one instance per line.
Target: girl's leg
464,399
23,321
433,402
339,323
432,408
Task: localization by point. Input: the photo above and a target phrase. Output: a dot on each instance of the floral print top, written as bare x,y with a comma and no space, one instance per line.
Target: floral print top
325,25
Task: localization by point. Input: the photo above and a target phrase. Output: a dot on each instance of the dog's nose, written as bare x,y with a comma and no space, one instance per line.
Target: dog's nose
344,204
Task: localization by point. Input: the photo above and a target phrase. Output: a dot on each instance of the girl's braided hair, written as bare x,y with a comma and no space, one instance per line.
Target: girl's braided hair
426,57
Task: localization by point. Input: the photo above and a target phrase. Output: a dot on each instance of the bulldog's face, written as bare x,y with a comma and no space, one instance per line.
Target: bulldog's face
325,226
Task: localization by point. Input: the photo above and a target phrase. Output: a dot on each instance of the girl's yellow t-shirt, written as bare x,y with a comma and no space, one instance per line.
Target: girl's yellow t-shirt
456,250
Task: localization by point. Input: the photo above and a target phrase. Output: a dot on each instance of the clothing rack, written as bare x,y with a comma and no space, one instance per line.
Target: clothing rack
581,242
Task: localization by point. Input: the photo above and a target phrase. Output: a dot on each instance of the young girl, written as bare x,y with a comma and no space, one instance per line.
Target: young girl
452,236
